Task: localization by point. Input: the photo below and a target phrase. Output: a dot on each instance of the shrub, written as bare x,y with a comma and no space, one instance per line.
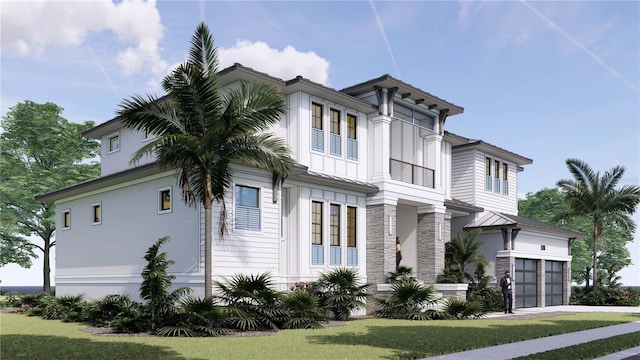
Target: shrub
252,302
602,296
303,310
197,317
116,311
408,300
461,309
68,308
490,298
340,292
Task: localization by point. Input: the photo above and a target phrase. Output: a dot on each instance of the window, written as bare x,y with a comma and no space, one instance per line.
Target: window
489,180
164,200
114,143
496,188
352,140
334,235
334,129
352,249
247,208
317,255
66,219
96,213
413,116
505,179
317,132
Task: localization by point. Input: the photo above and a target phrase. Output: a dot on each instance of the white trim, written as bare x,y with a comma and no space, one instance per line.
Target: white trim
112,136
92,213
159,208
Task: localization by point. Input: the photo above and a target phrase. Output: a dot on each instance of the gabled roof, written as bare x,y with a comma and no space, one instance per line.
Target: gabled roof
404,89
496,220
101,182
459,143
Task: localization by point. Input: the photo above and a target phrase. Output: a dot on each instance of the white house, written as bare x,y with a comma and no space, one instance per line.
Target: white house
373,162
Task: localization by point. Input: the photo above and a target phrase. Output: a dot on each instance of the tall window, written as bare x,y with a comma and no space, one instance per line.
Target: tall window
66,219
317,256
352,249
505,179
352,139
317,132
334,129
247,208
96,213
497,170
164,200
334,234
113,143
489,180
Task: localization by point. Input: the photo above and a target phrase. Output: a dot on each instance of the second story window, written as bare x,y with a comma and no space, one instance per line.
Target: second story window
113,143
247,208
352,138
413,116
489,179
335,137
498,168
164,200
317,132
505,179
66,219
96,213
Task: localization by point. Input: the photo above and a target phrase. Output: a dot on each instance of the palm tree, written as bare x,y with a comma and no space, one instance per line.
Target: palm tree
463,251
201,130
599,198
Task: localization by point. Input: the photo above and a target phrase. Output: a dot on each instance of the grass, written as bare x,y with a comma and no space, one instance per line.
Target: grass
591,349
33,338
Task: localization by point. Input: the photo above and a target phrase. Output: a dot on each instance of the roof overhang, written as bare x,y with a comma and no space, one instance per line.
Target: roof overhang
303,174
406,91
460,143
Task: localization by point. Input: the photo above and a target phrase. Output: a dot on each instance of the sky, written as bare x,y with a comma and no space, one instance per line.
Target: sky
546,80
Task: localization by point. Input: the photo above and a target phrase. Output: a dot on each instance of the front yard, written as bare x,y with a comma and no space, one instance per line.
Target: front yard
24,337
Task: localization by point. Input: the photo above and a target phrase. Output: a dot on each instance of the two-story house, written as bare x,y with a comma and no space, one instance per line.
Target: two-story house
373,163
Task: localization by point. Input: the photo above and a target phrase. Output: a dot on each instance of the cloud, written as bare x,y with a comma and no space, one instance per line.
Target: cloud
286,64
30,27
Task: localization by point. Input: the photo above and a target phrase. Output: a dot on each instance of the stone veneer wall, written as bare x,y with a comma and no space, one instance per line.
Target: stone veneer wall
430,249
566,287
381,247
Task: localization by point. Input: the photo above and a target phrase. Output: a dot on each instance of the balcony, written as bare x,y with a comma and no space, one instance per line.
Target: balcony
412,174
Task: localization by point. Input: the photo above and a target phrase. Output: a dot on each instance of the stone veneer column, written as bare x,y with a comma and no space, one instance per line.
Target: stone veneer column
430,246
541,272
566,286
381,247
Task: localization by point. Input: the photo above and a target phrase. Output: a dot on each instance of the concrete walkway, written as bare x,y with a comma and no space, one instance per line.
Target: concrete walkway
528,347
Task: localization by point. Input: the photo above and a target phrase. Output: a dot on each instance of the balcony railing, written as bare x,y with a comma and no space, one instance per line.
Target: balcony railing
412,174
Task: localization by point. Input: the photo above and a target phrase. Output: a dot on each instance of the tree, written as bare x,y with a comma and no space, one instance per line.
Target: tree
40,151
599,198
464,251
202,130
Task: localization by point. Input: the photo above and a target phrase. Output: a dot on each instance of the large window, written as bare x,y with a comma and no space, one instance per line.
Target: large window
498,168
352,138
352,244
96,213
66,219
413,116
505,179
317,256
334,235
335,137
489,179
317,132
113,143
164,200
247,211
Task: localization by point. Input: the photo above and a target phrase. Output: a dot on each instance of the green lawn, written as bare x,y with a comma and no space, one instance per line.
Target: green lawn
25,337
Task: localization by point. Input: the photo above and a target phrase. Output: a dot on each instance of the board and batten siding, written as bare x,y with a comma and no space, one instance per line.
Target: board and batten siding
488,199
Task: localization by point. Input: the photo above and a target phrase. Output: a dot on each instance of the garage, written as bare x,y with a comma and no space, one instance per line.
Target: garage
553,280
526,286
